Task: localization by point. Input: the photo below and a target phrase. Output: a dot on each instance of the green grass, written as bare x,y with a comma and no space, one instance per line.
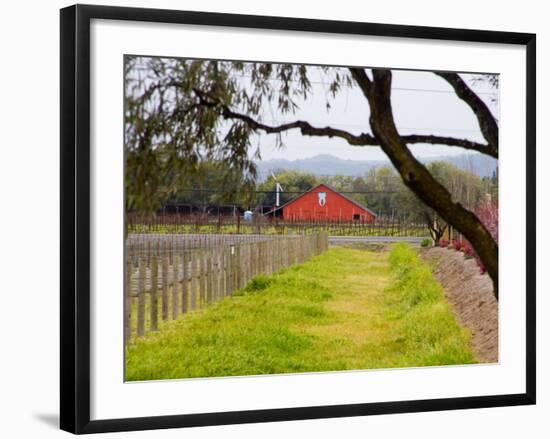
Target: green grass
345,309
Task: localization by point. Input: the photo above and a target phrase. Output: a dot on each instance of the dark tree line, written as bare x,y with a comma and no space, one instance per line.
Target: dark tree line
380,189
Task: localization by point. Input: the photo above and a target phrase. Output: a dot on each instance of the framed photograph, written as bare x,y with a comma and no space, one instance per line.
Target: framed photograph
272,218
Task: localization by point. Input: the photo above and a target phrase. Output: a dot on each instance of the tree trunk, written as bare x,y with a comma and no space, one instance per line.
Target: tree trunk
416,176
436,231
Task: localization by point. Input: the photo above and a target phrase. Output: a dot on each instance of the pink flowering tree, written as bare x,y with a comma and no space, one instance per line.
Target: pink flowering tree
488,215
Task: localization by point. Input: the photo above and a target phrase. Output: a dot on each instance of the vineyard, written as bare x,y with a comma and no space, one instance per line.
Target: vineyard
174,223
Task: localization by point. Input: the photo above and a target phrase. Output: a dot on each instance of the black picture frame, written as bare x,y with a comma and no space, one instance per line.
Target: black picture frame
75,217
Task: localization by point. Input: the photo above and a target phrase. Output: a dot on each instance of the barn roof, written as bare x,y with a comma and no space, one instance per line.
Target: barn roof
333,189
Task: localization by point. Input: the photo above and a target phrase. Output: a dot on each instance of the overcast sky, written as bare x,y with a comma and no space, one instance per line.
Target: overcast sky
422,102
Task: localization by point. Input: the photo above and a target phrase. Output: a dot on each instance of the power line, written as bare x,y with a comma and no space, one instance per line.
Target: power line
393,88
286,192
412,89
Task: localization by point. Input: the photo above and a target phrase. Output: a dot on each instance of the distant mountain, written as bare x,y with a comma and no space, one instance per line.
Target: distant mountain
479,164
327,164
324,164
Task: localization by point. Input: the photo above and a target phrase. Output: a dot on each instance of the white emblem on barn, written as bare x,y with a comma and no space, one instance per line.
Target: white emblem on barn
322,198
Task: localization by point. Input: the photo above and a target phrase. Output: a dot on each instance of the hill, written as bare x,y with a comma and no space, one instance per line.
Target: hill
327,164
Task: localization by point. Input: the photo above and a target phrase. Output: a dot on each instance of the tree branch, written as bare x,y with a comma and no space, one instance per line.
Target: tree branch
451,141
415,176
306,128
363,139
362,80
487,122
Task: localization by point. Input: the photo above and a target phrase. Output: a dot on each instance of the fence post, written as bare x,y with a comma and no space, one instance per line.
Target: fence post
128,301
244,266
184,282
220,256
175,286
141,297
236,263
202,276
154,296
223,273
210,277
229,271
164,284
248,264
216,277
194,279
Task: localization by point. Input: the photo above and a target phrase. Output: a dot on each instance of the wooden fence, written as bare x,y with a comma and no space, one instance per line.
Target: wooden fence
168,277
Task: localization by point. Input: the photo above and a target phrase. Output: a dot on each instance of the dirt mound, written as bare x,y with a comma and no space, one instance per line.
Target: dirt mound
471,295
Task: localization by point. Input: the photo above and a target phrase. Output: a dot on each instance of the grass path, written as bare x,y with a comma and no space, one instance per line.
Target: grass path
345,309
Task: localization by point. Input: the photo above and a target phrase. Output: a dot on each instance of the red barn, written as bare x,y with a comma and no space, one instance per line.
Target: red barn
324,203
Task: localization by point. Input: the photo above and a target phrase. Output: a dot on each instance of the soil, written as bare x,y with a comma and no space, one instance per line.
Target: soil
471,295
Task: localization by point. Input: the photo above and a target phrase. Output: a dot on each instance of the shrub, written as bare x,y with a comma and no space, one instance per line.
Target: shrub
426,242
457,245
443,243
256,285
469,251
259,283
